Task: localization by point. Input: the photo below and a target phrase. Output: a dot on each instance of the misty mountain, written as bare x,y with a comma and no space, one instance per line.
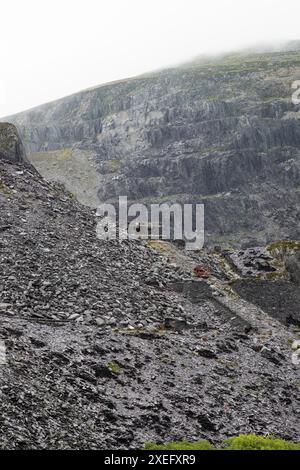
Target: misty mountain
220,131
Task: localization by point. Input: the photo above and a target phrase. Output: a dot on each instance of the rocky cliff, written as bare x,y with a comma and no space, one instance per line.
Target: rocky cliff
221,131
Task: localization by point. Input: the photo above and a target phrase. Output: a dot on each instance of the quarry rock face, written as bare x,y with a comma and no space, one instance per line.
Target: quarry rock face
11,146
223,132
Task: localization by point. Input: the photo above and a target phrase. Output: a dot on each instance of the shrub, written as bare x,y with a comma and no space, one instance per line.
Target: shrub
253,442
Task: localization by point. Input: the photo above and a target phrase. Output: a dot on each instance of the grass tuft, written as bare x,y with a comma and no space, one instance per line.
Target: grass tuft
114,367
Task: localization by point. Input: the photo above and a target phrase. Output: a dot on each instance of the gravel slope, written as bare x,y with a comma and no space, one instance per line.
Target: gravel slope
89,355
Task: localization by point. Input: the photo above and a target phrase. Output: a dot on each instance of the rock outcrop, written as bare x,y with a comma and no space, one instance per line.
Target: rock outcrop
11,146
223,132
293,267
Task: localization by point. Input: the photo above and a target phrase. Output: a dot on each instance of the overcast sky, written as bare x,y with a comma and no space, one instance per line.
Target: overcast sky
52,48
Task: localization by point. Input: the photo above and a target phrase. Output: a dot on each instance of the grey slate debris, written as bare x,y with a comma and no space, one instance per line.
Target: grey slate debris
89,362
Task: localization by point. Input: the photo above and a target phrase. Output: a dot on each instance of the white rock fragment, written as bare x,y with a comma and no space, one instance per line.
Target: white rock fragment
2,353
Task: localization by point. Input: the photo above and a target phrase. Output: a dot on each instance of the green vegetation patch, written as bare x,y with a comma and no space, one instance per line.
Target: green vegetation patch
53,156
114,367
242,442
284,245
253,442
